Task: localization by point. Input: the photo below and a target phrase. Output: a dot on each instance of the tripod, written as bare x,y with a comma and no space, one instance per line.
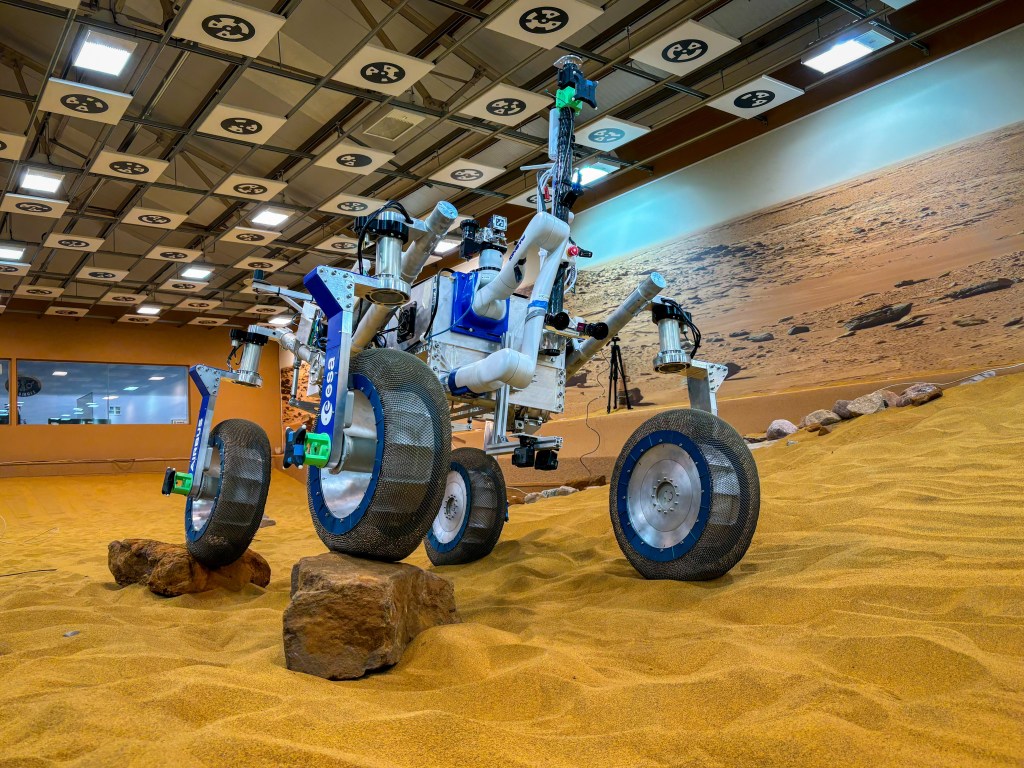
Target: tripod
615,371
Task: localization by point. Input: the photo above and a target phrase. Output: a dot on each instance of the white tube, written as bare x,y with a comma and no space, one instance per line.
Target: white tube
508,366
413,260
544,233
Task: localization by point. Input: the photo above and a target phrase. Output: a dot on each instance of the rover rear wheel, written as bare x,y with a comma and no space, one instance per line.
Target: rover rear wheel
220,528
684,497
472,511
381,504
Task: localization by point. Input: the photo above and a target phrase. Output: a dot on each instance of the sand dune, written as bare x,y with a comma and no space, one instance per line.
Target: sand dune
876,620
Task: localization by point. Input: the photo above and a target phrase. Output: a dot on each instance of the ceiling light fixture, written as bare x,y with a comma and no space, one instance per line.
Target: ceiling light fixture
591,173
60,373
156,378
129,389
104,53
446,245
841,54
41,181
111,397
282,320
148,309
11,251
197,272
270,217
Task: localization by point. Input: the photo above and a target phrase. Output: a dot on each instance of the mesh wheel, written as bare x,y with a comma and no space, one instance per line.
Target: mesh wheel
402,429
684,497
218,530
472,510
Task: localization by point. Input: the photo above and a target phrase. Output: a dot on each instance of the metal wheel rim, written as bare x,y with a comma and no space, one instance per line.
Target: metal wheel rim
202,507
343,491
664,496
454,508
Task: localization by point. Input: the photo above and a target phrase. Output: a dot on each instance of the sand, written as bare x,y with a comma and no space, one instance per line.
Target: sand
876,620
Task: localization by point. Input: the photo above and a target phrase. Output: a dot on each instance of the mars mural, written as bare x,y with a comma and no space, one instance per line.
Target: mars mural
913,269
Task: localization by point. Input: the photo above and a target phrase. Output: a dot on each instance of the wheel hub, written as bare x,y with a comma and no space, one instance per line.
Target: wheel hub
344,490
452,515
664,496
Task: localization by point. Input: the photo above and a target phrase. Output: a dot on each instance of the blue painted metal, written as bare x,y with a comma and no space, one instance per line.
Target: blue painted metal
467,322
198,451
332,403
456,390
331,523
437,545
621,495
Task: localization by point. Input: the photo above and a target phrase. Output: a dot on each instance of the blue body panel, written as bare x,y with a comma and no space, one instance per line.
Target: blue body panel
464,320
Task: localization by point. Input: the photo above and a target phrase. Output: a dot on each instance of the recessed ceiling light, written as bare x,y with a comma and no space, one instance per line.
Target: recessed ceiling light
90,405
446,245
60,373
104,53
197,272
148,309
270,217
111,397
156,378
591,173
841,54
11,251
282,320
129,389
41,181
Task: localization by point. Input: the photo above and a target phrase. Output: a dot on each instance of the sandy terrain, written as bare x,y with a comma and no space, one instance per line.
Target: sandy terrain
876,620
953,218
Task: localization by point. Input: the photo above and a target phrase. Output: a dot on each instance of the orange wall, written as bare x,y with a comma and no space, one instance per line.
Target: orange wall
93,448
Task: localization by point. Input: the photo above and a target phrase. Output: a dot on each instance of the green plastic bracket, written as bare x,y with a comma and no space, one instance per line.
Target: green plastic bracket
182,483
317,448
566,97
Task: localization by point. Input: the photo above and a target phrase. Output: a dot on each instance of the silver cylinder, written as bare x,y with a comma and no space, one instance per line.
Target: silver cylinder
634,304
671,358
391,289
249,365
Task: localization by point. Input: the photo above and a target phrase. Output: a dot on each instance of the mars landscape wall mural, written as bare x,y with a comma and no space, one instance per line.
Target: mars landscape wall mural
915,269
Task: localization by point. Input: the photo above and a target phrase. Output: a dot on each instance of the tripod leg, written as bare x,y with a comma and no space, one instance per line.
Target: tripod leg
625,383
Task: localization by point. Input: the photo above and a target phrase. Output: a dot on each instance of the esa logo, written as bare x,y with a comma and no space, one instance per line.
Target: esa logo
327,412
195,446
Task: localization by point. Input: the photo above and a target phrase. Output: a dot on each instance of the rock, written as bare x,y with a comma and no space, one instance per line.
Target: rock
588,482
799,329
914,322
978,377
515,496
732,370
968,322
785,319
841,408
881,316
170,569
1013,322
780,428
754,439
578,379
349,616
905,283
266,522
976,290
919,394
867,404
847,335
762,337
738,334
635,397
563,490
892,400
532,497
792,442
812,421
825,429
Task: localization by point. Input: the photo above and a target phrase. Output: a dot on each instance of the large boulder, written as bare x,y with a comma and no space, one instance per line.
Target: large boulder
867,404
780,428
348,616
841,408
919,394
887,314
816,419
892,400
976,290
170,570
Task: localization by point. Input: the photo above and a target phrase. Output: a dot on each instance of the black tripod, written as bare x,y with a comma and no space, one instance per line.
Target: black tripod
616,371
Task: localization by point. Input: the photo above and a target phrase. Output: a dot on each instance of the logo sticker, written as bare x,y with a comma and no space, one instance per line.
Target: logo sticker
352,160
102,275
259,265
73,243
173,255
154,218
33,207
250,237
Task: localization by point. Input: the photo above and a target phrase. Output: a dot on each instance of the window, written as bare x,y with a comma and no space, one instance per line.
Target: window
51,392
5,390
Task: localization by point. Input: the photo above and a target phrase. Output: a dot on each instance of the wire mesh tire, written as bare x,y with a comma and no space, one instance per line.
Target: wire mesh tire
684,497
401,425
472,511
219,529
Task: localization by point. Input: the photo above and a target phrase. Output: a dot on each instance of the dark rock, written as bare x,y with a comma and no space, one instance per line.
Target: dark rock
587,482
976,290
754,439
578,379
349,616
968,322
825,429
881,316
780,428
841,408
799,329
847,335
733,369
919,394
785,319
762,337
914,322
905,283
738,334
1013,322
170,570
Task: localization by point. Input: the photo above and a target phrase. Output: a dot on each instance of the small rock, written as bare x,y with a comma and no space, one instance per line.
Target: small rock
791,442
1013,322
978,377
919,394
825,429
867,404
732,369
72,633
841,408
762,337
530,498
738,334
563,490
780,428
349,616
905,283
754,439
170,569
968,322
587,482
799,329
785,319
266,522
847,335
812,421
880,316
976,290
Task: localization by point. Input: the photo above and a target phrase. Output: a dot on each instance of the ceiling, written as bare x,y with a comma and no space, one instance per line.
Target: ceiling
177,90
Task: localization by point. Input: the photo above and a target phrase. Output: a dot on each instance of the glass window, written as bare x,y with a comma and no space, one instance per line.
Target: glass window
101,393
5,391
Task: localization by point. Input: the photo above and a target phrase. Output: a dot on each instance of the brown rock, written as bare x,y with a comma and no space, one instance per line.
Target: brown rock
999,284
867,404
968,322
780,428
841,408
170,569
587,482
825,429
349,616
812,421
880,316
919,394
892,400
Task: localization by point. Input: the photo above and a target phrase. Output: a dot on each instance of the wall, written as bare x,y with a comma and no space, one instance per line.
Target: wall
87,448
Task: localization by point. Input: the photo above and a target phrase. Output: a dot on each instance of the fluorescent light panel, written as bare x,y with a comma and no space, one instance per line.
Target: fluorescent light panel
591,173
148,309
841,54
60,373
11,251
270,217
156,378
104,53
41,181
282,320
197,272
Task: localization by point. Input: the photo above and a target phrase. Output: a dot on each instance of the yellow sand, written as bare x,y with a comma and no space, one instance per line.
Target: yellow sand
878,619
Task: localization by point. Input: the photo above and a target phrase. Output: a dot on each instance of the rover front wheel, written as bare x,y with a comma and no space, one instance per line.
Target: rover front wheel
684,497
